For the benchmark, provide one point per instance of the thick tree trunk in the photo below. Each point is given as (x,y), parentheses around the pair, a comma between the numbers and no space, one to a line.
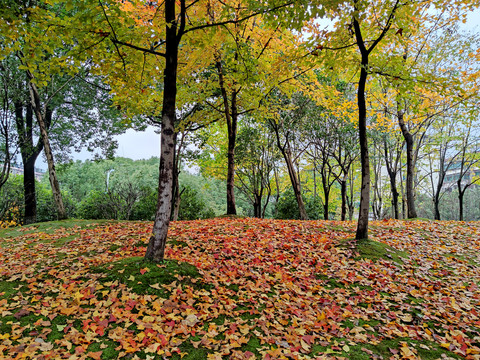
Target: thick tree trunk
(460,202)
(29,190)
(362,227)
(326,205)
(257,206)
(156,246)
(29,152)
(412,213)
(52,175)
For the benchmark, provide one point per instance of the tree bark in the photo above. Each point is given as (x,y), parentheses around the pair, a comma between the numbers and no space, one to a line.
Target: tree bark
(392,175)
(343,189)
(29,153)
(295,184)
(461,193)
(362,227)
(232,136)
(231,118)
(156,246)
(411,211)
(291,172)
(52,175)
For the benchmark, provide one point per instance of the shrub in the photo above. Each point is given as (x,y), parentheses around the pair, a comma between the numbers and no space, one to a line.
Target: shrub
(46,208)
(11,201)
(192,206)
(287,207)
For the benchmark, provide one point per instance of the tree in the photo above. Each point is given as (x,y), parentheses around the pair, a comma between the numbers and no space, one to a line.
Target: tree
(46,77)
(256,159)
(8,148)
(288,134)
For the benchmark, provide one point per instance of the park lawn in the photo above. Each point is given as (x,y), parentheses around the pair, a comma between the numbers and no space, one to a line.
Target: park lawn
(236,288)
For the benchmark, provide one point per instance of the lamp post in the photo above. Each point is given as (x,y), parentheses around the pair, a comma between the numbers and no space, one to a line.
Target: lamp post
(108,177)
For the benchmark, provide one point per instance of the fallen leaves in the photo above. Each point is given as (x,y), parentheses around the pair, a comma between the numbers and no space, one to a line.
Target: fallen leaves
(287,289)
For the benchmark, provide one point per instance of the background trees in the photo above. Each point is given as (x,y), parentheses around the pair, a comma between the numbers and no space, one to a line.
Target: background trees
(176,64)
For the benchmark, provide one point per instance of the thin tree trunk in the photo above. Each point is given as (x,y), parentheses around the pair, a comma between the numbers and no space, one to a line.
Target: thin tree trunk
(412,213)
(343,187)
(392,175)
(231,118)
(52,175)
(295,185)
(232,136)
(291,173)
(156,246)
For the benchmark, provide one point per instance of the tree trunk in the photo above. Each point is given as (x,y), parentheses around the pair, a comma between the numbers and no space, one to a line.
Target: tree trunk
(436,206)
(291,173)
(343,188)
(29,190)
(295,185)
(257,206)
(178,202)
(362,227)
(460,201)
(156,246)
(231,118)
(412,213)
(29,152)
(52,175)
(326,205)
(232,135)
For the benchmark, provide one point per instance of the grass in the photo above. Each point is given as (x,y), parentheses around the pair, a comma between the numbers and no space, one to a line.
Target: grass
(129,271)
(51,227)
(375,250)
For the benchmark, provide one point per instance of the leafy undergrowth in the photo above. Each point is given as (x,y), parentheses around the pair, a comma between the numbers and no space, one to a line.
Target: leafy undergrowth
(236,288)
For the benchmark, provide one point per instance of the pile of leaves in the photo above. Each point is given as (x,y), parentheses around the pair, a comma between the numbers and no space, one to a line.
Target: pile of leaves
(241,289)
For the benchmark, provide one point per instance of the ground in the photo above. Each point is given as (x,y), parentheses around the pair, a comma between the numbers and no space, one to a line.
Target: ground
(235,288)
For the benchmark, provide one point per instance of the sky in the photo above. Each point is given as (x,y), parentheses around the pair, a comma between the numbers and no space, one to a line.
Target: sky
(145,144)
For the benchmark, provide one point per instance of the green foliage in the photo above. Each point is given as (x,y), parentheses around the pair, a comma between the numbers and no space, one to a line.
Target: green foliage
(192,206)
(93,206)
(146,207)
(11,199)
(46,210)
(287,207)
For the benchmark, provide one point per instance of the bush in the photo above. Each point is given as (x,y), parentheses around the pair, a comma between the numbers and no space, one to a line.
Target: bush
(193,207)
(11,201)
(146,206)
(287,207)
(96,205)
(126,202)
(46,208)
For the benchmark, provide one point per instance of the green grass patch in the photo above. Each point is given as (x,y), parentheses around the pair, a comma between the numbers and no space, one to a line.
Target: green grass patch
(375,250)
(9,288)
(129,271)
(50,227)
(426,350)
